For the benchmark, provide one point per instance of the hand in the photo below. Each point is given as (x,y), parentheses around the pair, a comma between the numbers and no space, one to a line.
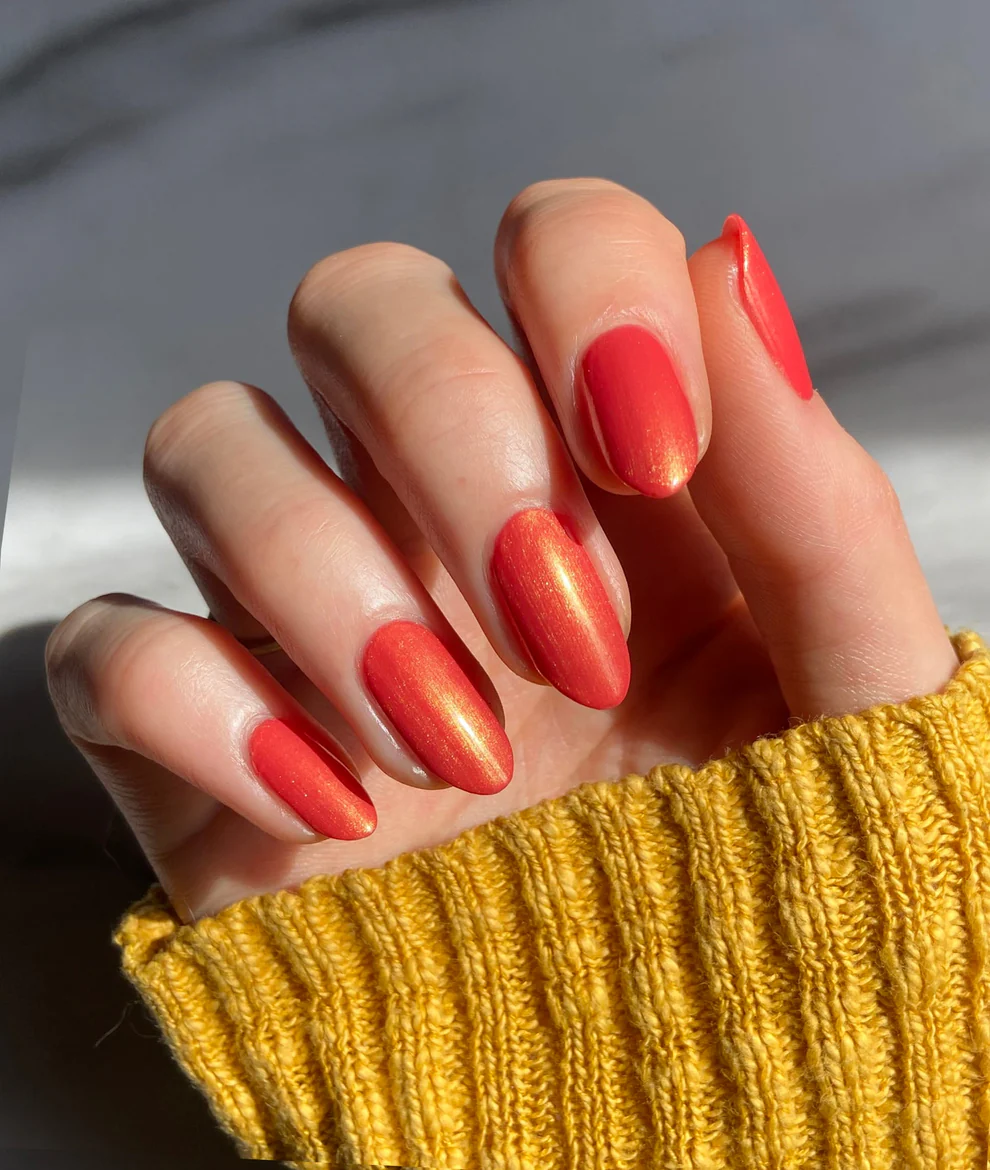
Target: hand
(462,559)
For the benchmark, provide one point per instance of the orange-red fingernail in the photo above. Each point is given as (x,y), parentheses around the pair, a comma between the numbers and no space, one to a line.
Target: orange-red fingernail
(640,410)
(289,758)
(766,308)
(560,608)
(436,709)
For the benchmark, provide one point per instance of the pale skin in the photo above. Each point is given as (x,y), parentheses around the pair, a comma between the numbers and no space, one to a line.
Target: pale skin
(780,584)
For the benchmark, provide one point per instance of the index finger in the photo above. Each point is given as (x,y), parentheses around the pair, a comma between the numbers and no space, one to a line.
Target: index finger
(598,281)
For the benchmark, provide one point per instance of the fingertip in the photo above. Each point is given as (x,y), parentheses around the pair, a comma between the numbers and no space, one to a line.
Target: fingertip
(363,824)
(610,688)
(733,227)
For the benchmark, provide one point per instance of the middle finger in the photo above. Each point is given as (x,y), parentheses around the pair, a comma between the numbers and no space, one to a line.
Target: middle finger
(451,418)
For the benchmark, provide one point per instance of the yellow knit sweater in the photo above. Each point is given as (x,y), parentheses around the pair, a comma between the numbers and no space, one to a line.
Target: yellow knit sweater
(781,959)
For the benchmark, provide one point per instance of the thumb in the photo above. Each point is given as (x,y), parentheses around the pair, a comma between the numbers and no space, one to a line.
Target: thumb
(810,523)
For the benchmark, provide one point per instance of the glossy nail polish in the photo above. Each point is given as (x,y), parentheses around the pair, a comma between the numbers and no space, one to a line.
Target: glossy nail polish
(560,609)
(433,705)
(289,758)
(766,308)
(639,410)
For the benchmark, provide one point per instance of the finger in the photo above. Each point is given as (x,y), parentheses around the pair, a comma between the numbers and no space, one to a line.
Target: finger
(130,677)
(452,420)
(809,522)
(358,471)
(598,281)
(245,498)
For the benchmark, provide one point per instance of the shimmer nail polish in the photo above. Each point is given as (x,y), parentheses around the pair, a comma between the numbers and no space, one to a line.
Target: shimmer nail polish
(640,411)
(289,758)
(559,607)
(436,709)
(766,308)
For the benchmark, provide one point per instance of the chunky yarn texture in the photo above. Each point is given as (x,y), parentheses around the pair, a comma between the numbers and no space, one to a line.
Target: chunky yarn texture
(780,959)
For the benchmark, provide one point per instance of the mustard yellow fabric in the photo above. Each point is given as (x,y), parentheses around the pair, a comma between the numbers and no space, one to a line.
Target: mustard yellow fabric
(780,959)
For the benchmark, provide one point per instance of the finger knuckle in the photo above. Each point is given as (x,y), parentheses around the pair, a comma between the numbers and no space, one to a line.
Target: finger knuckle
(102,668)
(866,499)
(879,495)
(528,213)
(550,193)
(133,674)
(341,274)
(875,502)
(855,507)
(571,206)
(437,390)
(287,527)
(189,421)
(64,659)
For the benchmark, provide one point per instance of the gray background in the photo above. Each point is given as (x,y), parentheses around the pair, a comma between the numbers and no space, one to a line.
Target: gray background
(169,170)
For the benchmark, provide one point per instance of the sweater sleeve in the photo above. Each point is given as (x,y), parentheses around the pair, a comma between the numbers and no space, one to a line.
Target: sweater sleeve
(779,959)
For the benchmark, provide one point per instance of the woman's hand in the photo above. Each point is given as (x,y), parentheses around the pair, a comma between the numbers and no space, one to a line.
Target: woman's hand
(463,567)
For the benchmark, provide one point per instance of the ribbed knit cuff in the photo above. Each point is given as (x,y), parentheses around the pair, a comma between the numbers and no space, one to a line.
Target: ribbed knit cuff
(780,959)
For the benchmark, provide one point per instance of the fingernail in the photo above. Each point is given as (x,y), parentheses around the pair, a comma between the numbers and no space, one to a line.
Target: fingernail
(640,411)
(296,766)
(766,308)
(560,609)
(436,709)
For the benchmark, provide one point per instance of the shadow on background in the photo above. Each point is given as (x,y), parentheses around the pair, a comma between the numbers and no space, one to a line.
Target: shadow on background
(81,1065)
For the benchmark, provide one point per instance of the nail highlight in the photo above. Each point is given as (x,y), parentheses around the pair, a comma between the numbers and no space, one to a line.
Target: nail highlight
(560,609)
(766,308)
(306,774)
(436,709)
(640,411)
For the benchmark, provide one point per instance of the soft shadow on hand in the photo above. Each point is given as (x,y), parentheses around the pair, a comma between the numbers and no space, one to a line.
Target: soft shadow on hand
(81,1065)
